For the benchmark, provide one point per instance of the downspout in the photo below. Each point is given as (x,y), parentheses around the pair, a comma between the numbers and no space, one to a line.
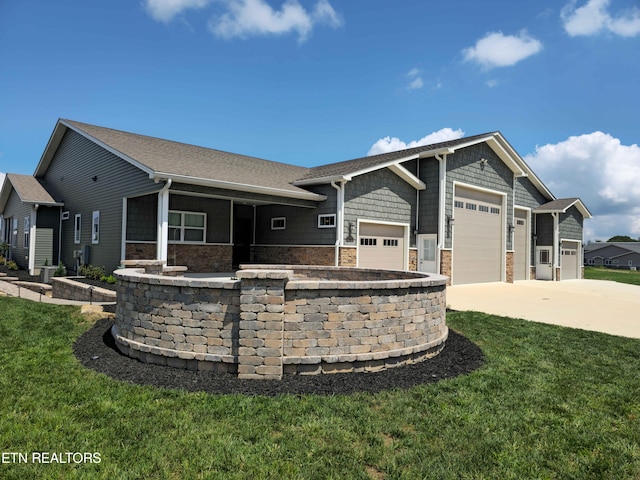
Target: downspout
(32,238)
(163,222)
(442,183)
(59,238)
(555,244)
(340,219)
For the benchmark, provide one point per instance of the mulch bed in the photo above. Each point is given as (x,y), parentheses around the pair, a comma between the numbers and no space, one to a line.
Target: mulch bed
(96,350)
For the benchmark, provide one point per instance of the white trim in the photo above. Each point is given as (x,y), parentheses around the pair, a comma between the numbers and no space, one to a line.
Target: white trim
(182,227)
(503,233)
(95,222)
(327,215)
(277,219)
(123,229)
(32,240)
(65,215)
(77,229)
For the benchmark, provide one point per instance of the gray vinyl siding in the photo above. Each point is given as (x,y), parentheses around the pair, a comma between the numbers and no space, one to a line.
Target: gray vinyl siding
(379,196)
(544,229)
(142,218)
(570,224)
(430,197)
(16,209)
(464,166)
(70,178)
(218,214)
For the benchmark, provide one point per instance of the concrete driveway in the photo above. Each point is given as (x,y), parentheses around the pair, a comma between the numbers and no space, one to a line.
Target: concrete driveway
(598,305)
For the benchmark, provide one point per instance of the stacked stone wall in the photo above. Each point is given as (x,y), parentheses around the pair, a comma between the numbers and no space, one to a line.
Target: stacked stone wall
(268,322)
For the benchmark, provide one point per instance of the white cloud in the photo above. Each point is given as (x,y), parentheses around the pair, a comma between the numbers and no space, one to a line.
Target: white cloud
(593,17)
(601,171)
(246,18)
(498,50)
(166,10)
(392,144)
(416,81)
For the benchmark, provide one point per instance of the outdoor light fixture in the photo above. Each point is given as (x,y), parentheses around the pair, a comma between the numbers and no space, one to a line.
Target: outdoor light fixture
(510,228)
(94,178)
(450,221)
(350,236)
(483,162)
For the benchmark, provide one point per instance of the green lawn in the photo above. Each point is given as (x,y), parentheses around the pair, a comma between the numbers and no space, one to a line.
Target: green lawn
(622,276)
(550,403)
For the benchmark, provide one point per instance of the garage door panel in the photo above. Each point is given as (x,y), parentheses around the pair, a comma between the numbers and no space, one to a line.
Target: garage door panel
(520,235)
(569,260)
(381,246)
(477,237)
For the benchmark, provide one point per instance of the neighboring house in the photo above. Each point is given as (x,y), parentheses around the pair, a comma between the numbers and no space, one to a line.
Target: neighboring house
(613,254)
(470,208)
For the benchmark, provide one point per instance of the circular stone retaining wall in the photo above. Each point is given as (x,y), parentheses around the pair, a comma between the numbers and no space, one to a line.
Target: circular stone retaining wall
(272,320)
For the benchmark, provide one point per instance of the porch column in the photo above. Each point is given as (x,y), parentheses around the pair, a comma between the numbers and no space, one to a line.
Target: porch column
(163,224)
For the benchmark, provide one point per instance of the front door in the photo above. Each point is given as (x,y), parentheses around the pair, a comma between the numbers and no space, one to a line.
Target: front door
(242,234)
(544,267)
(427,253)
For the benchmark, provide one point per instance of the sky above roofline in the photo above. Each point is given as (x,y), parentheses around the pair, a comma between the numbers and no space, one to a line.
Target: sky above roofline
(320,81)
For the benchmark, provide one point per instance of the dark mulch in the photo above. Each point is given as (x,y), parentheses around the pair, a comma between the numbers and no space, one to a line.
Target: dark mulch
(22,275)
(96,349)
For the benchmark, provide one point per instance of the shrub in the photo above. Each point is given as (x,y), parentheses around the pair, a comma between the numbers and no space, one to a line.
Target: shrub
(61,271)
(11,265)
(91,271)
(108,279)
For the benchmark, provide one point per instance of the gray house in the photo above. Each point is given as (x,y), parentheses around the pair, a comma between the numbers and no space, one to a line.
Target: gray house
(625,255)
(470,208)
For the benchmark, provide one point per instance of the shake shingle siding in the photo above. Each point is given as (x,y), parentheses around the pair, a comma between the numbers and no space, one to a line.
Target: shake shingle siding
(544,229)
(70,177)
(142,218)
(570,224)
(464,166)
(379,196)
(527,195)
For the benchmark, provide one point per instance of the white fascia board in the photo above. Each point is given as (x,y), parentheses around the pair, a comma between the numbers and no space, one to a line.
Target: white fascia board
(407,176)
(204,182)
(56,138)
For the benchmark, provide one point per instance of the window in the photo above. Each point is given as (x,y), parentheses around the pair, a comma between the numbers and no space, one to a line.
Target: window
(519,222)
(471,206)
(278,223)
(77,228)
(368,242)
(591,261)
(495,210)
(544,257)
(95,227)
(483,208)
(458,204)
(65,215)
(607,261)
(630,263)
(327,221)
(390,242)
(27,227)
(14,233)
(187,227)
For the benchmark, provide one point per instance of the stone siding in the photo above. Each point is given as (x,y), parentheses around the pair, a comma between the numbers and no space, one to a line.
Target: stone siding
(274,254)
(445,264)
(509,260)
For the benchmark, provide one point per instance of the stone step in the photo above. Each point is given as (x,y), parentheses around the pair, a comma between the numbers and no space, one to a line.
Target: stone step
(10,279)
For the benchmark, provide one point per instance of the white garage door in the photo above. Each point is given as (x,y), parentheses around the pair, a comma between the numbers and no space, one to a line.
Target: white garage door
(381,246)
(520,235)
(477,237)
(569,261)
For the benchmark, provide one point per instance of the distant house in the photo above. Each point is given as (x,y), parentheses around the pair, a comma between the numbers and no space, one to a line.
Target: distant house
(469,208)
(613,254)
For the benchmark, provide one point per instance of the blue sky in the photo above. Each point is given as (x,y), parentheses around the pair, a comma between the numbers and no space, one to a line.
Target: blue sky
(320,81)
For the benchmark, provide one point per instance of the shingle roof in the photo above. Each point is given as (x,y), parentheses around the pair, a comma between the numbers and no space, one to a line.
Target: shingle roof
(179,159)
(561,205)
(30,190)
(350,166)
(631,246)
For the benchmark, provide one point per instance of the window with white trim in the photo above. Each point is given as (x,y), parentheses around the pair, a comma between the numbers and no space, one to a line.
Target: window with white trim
(26,229)
(187,227)
(368,242)
(14,233)
(390,242)
(95,227)
(278,223)
(77,228)
(65,215)
(327,220)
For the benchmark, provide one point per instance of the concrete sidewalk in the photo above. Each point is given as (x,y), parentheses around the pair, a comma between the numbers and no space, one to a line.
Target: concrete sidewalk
(598,305)
(13,290)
